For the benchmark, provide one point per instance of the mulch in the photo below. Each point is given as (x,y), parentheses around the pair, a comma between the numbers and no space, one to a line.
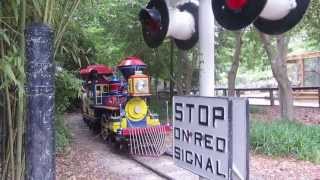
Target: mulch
(305,115)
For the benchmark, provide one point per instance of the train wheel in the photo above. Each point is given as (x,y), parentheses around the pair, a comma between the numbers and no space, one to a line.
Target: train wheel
(104,127)
(96,127)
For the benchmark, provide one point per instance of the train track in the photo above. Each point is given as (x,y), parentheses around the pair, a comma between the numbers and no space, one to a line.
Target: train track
(154,170)
(163,167)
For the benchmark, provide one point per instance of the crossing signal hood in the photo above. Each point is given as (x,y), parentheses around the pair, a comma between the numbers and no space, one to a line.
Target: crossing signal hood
(272,17)
(159,21)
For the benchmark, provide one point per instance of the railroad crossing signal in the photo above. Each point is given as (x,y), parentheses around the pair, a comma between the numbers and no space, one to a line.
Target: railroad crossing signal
(268,16)
(159,20)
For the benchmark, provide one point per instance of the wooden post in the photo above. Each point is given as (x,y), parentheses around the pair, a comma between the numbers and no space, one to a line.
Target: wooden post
(237,92)
(271,97)
(319,97)
(40,145)
(301,71)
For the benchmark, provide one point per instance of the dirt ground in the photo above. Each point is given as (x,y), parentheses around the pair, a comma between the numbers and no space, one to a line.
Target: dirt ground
(89,158)
(302,114)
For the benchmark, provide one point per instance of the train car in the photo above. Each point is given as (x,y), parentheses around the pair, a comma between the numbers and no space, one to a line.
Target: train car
(118,109)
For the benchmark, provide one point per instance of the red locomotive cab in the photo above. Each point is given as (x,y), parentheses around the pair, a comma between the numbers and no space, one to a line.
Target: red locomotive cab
(115,87)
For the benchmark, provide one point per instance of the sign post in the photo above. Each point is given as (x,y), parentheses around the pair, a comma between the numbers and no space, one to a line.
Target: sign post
(40,102)
(206,41)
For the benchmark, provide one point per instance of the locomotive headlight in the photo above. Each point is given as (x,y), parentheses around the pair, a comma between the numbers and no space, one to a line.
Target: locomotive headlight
(141,86)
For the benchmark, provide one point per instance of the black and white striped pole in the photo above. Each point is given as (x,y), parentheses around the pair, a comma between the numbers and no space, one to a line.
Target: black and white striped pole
(40,71)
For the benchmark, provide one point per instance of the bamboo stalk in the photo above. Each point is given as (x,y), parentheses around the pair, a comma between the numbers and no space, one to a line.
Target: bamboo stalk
(5,167)
(46,11)
(23,168)
(51,11)
(19,143)
(64,26)
(20,95)
(10,127)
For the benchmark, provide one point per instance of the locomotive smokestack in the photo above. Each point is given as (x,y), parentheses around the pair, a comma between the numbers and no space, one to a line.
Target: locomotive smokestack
(130,65)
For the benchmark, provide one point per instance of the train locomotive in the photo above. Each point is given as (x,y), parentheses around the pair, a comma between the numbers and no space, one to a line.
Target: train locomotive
(118,108)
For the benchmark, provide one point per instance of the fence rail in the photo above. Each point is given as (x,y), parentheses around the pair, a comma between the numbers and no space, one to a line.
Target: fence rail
(272,96)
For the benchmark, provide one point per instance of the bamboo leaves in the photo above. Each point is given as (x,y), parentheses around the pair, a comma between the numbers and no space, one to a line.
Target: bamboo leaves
(12,71)
(3,36)
(37,7)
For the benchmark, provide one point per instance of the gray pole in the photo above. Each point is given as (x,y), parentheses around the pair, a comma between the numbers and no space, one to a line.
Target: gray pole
(40,103)
(206,41)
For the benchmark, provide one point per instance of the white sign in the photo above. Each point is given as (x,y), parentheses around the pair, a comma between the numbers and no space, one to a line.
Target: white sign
(203,137)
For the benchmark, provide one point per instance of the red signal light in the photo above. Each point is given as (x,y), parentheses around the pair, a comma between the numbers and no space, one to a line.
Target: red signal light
(153,25)
(236,4)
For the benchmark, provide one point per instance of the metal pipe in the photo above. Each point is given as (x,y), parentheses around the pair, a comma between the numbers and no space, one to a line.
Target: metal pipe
(206,40)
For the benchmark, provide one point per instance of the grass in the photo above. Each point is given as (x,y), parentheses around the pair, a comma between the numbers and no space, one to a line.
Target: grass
(286,138)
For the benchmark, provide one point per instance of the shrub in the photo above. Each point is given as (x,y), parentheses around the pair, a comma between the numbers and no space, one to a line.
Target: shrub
(68,88)
(286,138)
(159,107)
(62,134)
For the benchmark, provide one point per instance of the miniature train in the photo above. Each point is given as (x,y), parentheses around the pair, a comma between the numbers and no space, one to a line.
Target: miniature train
(117,108)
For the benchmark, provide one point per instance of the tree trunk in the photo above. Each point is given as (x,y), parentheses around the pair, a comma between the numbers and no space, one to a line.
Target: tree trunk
(277,55)
(179,73)
(171,69)
(235,64)
(184,73)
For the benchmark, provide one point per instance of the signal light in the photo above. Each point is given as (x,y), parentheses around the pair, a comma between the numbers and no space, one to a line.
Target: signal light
(269,16)
(234,17)
(286,18)
(160,21)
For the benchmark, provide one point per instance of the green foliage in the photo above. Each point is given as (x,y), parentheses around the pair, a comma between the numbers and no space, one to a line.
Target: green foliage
(68,88)
(286,138)
(76,49)
(115,29)
(159,107)
(62,133)
(67,91)
(11,69)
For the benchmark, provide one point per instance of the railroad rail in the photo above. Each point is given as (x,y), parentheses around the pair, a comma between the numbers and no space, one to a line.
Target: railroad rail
(152,169)
(164,166)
